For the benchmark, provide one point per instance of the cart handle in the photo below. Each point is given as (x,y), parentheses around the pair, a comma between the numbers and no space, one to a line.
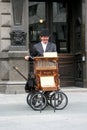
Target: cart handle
(17,69)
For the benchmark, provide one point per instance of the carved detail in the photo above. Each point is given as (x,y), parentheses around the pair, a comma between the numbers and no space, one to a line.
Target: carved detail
(18,37)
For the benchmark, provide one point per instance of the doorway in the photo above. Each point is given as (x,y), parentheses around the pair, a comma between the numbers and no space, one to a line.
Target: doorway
(59,17)
(52,15)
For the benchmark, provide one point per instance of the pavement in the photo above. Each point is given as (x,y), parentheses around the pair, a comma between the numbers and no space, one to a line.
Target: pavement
(16,114)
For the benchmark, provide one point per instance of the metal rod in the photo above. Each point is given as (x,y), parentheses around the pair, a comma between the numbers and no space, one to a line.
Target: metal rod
(16,68)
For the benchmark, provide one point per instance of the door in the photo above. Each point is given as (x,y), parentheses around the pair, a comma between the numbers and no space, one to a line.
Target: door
(78,44)
(61,18)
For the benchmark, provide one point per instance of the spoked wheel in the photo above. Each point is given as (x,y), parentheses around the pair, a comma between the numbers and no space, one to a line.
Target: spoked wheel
(38,101)
(59,100)
(29,98)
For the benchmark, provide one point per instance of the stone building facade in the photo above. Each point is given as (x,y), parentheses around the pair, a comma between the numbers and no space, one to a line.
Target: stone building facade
(12,51)
(11,55)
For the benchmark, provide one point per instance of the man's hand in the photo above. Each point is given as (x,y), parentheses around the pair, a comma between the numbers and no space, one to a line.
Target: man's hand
(26,57)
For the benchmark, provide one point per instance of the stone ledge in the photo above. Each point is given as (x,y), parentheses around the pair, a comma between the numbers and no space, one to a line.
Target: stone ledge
(12,82)
(17,53)
(17,48)
(12,87)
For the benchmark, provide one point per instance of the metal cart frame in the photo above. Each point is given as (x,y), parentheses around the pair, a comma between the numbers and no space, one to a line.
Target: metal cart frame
(47,88)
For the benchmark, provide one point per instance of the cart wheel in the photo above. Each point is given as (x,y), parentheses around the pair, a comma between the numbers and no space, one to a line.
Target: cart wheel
(29,98)
(59,100)
(38,101)
(48,95)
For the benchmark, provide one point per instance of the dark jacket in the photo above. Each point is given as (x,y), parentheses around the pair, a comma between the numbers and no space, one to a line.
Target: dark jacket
(37,49)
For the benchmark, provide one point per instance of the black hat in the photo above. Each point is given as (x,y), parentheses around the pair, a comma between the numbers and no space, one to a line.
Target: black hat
(44,32)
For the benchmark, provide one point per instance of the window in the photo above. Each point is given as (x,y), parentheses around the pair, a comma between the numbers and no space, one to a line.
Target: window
(32,10)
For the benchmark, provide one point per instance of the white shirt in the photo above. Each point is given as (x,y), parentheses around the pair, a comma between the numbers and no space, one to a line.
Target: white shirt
(44,45)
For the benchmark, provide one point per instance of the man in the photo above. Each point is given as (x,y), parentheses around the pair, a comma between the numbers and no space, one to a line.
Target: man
(38,49)
(43,46)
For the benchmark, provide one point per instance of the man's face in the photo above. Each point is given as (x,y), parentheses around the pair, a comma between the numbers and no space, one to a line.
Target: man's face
(44,39)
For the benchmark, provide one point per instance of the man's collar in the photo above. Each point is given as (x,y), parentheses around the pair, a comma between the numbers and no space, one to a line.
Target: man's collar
(43,43)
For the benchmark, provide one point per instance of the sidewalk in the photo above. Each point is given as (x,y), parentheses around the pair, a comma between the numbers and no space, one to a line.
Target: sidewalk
(15,113)
(74,89)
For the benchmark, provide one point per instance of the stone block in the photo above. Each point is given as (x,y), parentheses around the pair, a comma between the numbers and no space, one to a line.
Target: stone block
(4,70)
(5,44)
(5,7)
(5,32)
(2,88)
(6,20)
(4,56)
(15,87)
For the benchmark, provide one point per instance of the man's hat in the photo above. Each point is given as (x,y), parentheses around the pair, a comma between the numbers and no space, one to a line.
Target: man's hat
(44,32)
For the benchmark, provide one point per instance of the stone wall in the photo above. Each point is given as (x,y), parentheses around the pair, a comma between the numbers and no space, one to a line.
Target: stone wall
(10,80)
(85,62)
(5,25)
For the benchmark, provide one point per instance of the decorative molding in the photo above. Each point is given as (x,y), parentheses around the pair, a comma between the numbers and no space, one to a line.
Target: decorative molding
(17,6)
(18,37)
